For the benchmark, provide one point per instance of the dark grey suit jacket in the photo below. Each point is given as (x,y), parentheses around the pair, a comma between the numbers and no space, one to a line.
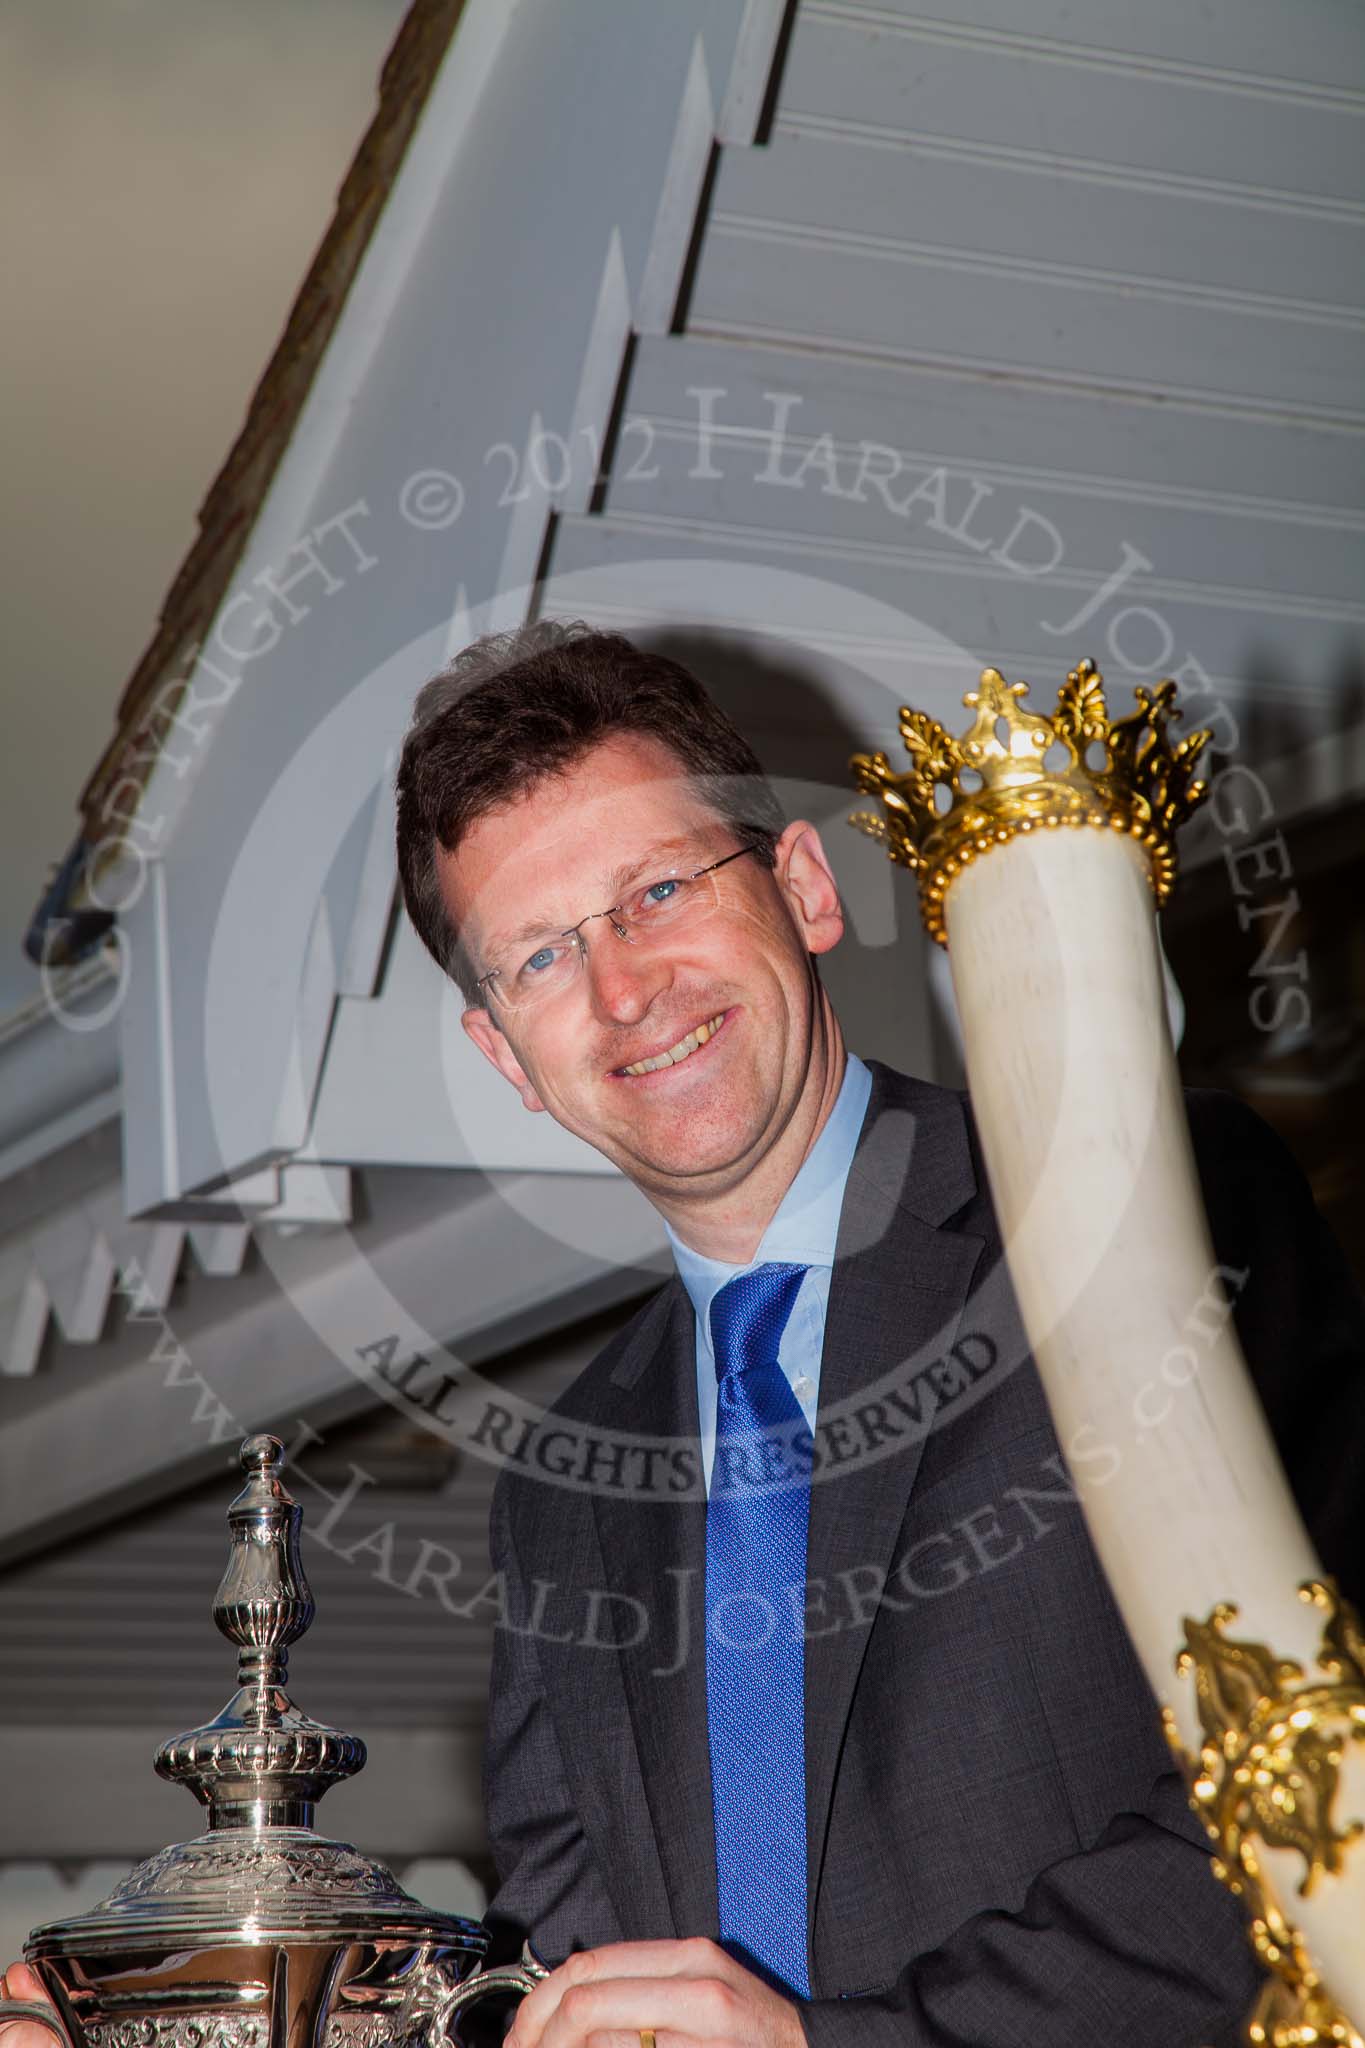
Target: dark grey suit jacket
(999,1849)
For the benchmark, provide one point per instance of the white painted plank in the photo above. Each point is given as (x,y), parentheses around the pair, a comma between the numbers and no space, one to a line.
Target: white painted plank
(364,951)
(751,72)
(219,1248)
(849,67)
(930,309)
(806,488)
(74,1262)
(155,1247)
(1088,444)
(310,1194)
(1152,241)
(1219,45)
(24,1310)
(825,599)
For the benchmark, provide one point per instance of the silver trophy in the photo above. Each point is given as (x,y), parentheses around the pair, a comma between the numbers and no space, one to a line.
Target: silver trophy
(261,1933)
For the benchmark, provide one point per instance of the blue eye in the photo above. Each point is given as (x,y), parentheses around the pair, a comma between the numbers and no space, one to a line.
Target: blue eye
(544,957)
(660,892)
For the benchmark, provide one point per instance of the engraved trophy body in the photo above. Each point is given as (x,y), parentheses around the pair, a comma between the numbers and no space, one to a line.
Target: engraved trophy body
(261,1933)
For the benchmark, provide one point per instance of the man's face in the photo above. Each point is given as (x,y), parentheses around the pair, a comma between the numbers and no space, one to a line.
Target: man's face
(572,846)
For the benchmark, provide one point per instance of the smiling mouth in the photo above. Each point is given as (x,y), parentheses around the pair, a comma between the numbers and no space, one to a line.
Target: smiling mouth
(676,1054)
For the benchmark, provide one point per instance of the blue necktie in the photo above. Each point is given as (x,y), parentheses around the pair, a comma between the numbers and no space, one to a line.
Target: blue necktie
(755,1653)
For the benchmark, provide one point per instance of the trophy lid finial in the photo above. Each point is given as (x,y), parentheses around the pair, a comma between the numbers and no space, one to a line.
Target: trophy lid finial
(262,1454)
(262,1762)
(303,1913)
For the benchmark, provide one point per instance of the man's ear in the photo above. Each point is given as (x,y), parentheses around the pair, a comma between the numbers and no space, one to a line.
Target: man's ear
(480,1027)
(807,881)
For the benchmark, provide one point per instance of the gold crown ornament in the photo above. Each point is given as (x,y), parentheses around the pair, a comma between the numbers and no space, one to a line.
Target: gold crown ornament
(1021,771)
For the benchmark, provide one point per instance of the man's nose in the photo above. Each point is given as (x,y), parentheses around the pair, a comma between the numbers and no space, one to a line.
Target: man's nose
(624,976)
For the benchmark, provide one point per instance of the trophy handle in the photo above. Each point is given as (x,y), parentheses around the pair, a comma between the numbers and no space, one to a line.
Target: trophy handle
(431,2000)
(29,2009)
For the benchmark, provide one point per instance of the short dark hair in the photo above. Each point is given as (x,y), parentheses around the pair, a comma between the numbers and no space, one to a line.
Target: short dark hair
(517,707)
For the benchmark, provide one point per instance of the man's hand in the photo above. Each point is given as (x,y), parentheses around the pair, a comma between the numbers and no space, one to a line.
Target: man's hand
(18,1981)
(683,1992)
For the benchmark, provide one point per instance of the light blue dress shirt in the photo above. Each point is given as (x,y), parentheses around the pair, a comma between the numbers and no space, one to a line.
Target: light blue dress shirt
(802,1232)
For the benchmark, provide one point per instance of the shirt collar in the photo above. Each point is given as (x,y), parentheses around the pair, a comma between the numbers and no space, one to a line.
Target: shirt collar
(806,1225)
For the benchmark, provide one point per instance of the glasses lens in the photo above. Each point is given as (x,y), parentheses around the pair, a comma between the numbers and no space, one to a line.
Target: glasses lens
(530,977)
(672,900)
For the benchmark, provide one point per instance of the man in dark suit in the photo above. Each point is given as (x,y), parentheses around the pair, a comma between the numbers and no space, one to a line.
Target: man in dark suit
(929,1802)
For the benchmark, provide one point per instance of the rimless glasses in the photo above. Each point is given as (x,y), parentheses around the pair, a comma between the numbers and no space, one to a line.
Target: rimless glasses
(649,911)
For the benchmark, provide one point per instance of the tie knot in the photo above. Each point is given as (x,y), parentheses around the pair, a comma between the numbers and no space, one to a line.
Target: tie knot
(749,1314)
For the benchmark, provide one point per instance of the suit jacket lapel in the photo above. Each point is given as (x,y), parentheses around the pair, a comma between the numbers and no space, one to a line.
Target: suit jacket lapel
(899,1286)
(654,1552)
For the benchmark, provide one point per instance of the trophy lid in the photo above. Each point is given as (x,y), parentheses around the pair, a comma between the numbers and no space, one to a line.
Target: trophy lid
(260,1872)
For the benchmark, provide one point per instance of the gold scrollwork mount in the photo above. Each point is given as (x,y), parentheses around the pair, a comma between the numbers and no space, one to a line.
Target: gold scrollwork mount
(1268,1770)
